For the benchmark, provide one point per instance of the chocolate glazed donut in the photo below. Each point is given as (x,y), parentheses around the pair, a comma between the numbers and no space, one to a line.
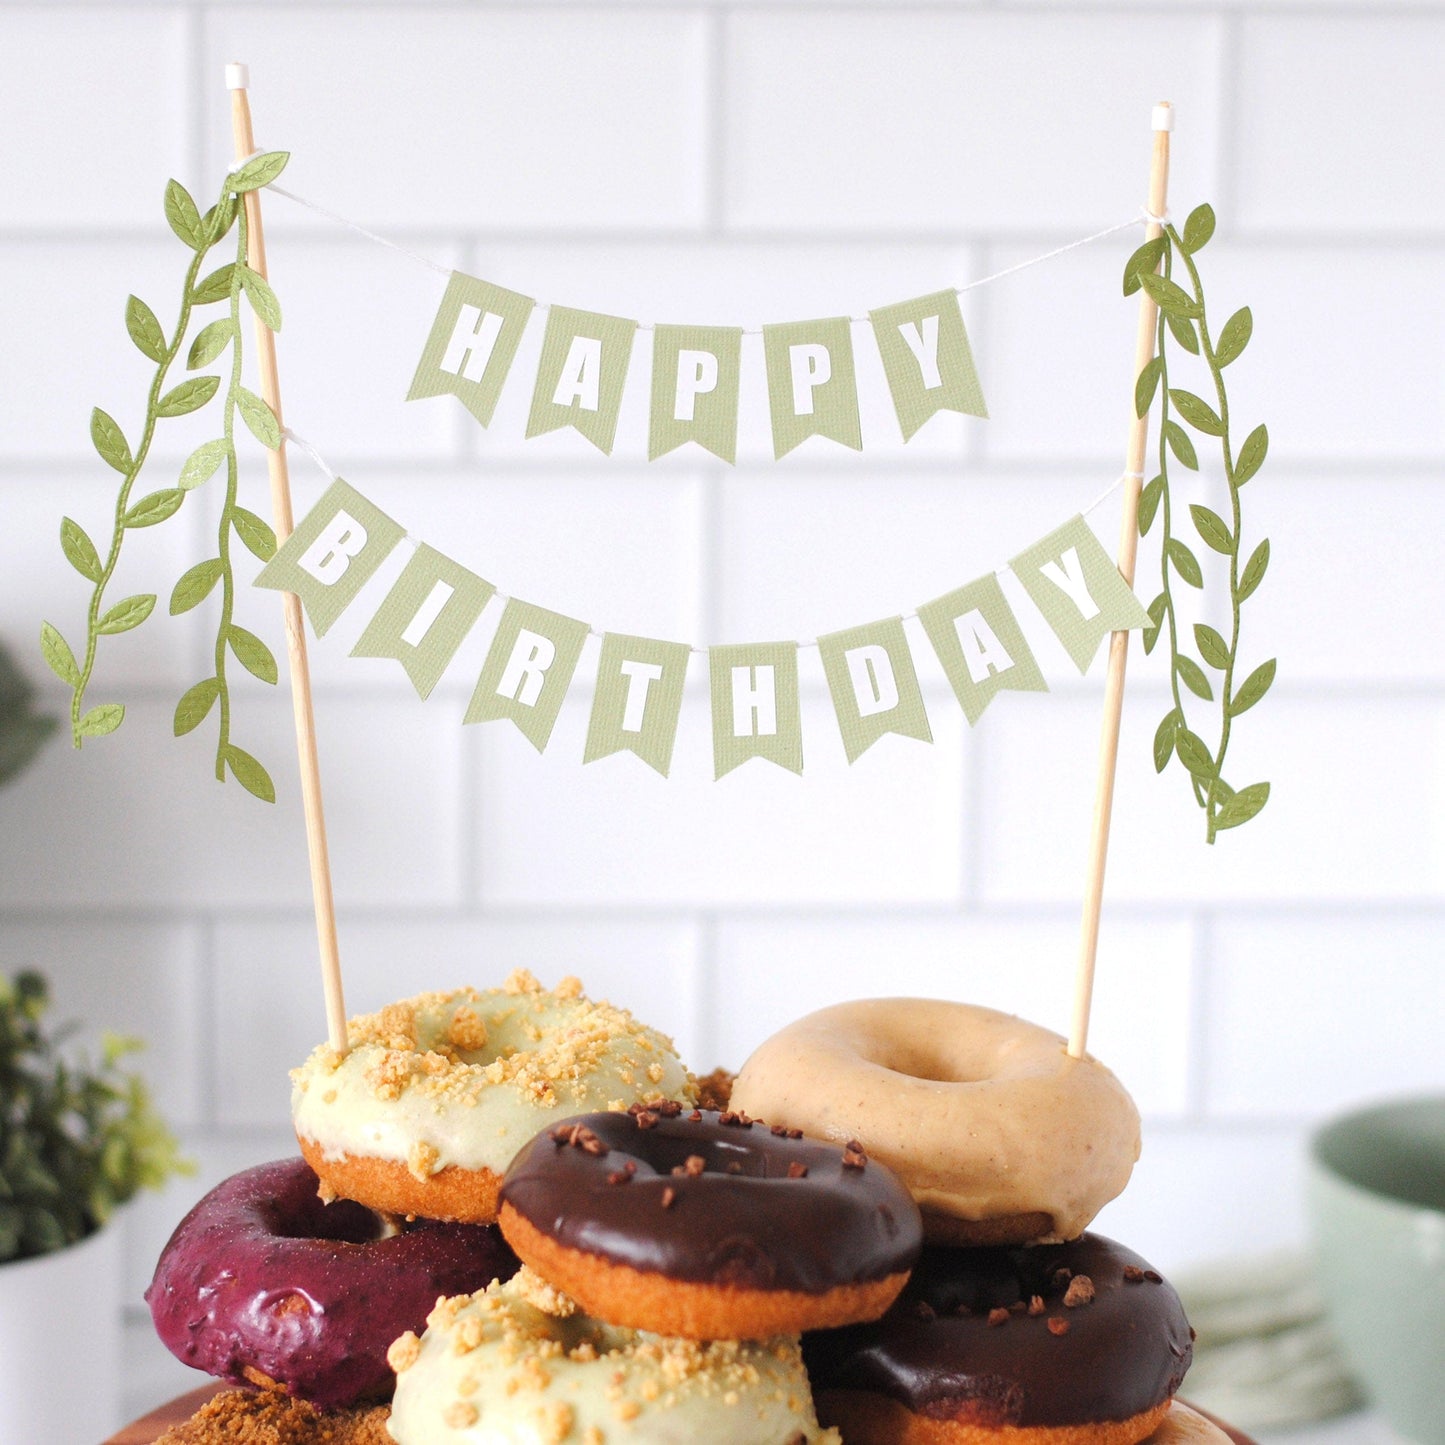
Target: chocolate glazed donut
(1046,1336)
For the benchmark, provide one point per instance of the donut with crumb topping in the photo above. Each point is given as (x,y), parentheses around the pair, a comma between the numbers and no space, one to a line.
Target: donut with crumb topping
(437,1093)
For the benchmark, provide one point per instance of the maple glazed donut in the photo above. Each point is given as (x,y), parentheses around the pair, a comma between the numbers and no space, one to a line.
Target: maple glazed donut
(437,1092)
(1067,1344)
(708,1226)
(1000,1135)
(263,1284)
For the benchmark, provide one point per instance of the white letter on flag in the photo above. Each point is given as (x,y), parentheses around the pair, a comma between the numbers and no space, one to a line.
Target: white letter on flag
(924,346)
(581,376)
(696,375)
(330,554)
(982,650)
(1070,576)
(812,366)
(640,677)
(754,700)
(526,669)
(874,686)
(473,339)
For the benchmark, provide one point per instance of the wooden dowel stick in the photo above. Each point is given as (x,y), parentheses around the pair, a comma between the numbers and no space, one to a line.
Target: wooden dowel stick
(237,80)
(1119,641)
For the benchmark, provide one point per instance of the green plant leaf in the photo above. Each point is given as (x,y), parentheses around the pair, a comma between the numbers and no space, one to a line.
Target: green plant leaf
(1254,570)
(1234,337)
(144,329)
(110,441)
(252,653)
(260,540)
(249,773)
(259,418)
(1212,527)
(56,651)
(215,287)
(80,550)
(1182,329)
(101,720)
(1164,740)
(258,171)
(155,507)
(189,396)
(1193,753)
(1180,445)
(1156,612)
(1251,455)
(181,212)
(1192,675)
(1146,384)
(1198,228)
(195,585)
(1254,687)
(1149,500)
(195,703)
(1212,646)
(1144,260)
(262,297)
(1240,807)
(1185,562)
(127,614)
(210,342)
(1173,299)
(1197,412)
(201,465)
(219,219)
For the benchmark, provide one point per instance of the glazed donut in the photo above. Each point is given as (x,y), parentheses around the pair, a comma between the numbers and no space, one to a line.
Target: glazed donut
(1068,1344)
(264,1284)
(436,1094)
(517,1364)
(1001,1136)
(708,1226)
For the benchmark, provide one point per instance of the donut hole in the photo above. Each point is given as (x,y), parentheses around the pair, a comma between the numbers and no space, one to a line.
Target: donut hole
(917,1059)
(667,1155)
(342,1221)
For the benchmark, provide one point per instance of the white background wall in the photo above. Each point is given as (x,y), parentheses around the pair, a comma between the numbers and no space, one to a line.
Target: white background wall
(742,163)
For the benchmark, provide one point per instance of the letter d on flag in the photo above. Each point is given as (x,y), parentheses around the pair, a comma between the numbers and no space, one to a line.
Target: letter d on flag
(874,685)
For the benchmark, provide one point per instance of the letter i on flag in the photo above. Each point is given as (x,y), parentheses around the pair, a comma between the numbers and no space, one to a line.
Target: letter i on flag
(581,375)
(638,699)
(927,359)
(695,373)
(812,390)
(525,676)
(874,686)
(755,708)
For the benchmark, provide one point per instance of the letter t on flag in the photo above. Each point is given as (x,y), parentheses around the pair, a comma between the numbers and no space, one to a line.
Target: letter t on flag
(638,699)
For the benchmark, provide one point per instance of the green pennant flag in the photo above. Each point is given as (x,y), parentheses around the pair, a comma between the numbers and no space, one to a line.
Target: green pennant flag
(332,554)
(638,699)
(472,344)
(528,668)
(1074,582)
(874,686)
(580,377)
(755,708)
(927,359)
(980,644)
(811,386)
(425,617)
(695,389)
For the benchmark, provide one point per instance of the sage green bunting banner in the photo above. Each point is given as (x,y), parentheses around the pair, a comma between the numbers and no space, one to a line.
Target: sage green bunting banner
(755,709)
(425,617)
(811,386)
(1074,582)
(695,373)
(638,699)
(927,359)
(332,554)
(472,344)
(874,686)
(981,645)
(581,375)
(526,674)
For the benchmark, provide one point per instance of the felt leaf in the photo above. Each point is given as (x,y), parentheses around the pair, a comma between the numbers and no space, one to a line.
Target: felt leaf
(249,773)
(1149,500)
(1193,753)
(195,585)
(1164,740)
(1255,686)
(259,418)
(215,287)
(260,540)
(80,550)
(1212,527)
(195,703)
(1212,646)
(1183,332)
(1146,384)
(219,219)
(1180,445)
(127,614)
(1234,337)
(189,396)
(262,297)
(1173,299)
(144,329)
(1198,228)
(210,342)
(252,653)
(101,720)
(110,441)
(1242,806)
(258,171)
(154,508)
(1251,455)
(1254,570)
(201,465)
(1192,676)
(1185,562)
(1152,633)
(57,653)
(1197,412)
(1145,259)
(181,212)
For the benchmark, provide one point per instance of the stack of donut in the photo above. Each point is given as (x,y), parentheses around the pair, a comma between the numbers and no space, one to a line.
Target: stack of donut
(897,1256)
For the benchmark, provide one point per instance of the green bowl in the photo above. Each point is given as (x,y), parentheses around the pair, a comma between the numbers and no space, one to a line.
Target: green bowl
(1377,1207)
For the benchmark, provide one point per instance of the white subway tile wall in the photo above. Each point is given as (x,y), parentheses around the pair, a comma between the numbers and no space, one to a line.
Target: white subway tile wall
(721,161)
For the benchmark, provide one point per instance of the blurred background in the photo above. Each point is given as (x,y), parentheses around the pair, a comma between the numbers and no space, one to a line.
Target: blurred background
(732,163)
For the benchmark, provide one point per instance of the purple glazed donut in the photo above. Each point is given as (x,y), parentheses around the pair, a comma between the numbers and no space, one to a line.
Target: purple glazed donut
(264,1284)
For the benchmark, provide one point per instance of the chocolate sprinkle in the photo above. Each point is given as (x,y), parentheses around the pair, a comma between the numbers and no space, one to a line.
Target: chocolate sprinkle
(998,1316)
(668,1195)
(1079,1292)
(797,1170)
(1057,1326)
